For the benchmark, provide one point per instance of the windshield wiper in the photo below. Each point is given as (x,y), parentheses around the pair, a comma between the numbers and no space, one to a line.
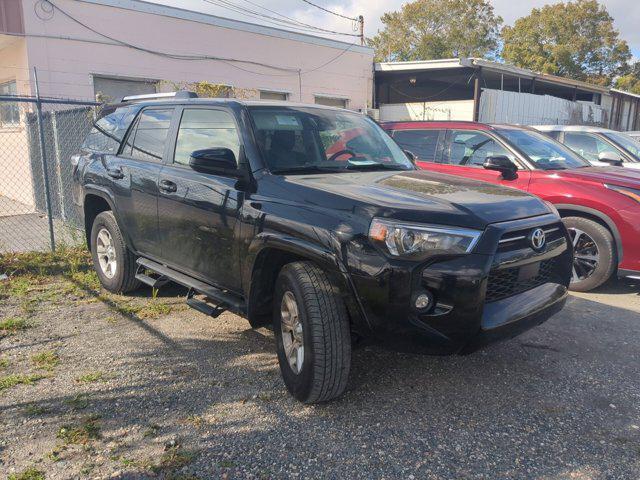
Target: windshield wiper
(373,166)
(305,169)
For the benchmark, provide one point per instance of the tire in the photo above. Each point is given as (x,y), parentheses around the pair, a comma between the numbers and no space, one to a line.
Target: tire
(325,336)
(122,278)
(593,237)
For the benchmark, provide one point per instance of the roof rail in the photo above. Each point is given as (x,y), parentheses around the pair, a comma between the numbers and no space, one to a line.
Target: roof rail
(182,94)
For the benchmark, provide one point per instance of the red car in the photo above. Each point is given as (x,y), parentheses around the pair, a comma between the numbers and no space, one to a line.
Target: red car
(599,205)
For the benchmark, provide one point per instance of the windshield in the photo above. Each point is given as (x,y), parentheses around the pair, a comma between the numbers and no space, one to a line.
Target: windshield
(629,144)
(542,151)
(308,139)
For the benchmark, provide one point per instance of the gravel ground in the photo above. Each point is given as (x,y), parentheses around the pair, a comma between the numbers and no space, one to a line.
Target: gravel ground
(135,387)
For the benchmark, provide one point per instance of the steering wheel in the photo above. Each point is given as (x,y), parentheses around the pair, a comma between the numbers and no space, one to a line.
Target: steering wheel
(340,153)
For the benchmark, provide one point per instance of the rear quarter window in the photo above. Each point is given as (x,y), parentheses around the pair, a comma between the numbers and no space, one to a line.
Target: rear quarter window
(109,131)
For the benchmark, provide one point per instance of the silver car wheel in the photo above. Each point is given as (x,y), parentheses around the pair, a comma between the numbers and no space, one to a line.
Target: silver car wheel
(585,255)
(106,253)
(292,332)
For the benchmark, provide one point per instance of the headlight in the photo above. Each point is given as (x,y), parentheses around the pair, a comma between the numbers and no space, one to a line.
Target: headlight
(416,240)
(629,192)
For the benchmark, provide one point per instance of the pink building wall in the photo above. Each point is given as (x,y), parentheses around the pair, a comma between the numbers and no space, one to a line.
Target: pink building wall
(66,67)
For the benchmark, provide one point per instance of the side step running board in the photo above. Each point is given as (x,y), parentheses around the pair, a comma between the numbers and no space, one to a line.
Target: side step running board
(221,299)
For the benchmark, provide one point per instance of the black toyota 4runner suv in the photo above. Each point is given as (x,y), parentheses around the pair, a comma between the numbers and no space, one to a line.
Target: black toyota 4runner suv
(313,220)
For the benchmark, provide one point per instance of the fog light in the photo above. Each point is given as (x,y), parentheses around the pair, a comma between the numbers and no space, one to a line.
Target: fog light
(423,301)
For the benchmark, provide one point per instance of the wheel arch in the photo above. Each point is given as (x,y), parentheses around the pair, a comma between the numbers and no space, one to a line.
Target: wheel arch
(569,210)
(95,202)
(270,255)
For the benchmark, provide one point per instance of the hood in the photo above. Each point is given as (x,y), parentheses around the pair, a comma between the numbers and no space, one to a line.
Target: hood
(623,176)
(424,197)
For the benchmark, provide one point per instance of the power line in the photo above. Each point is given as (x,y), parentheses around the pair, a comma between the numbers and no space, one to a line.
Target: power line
(288,22)
(355,19)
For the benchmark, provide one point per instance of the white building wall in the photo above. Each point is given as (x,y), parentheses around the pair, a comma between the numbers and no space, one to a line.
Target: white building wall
(448,110)
(67,66)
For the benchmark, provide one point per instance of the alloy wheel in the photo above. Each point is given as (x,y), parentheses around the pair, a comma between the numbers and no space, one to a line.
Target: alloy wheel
(292,332)
(585,255)
(106,253)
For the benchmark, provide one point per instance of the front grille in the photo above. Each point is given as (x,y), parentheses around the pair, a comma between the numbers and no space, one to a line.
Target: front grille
(507,282)
(518,239)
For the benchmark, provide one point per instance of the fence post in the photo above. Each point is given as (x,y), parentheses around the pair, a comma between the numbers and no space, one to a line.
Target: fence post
(43,157)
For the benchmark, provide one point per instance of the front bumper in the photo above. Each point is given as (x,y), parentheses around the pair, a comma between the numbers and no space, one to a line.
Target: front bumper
(479,298)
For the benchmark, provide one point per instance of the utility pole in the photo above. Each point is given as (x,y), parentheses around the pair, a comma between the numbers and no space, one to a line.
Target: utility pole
(361,23)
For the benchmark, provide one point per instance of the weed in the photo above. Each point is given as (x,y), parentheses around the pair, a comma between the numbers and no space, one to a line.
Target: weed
(78,402)
(28,474)
(4,363)
(55,455)
(45,263)
(226,464)
(173,458)
(80,434)
(85,280)
(12,325)
(154,309)
(35,410)
(152,431)
(91,377)
(13,380)
(196,420)
(47,360)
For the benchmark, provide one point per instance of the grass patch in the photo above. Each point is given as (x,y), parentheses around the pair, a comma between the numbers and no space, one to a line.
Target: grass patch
(91,377)
(28,474)
(47,360)
(35,410)
(13,325)
(152,430)
(78,402)
(4,363)
(88,429)
(63,260)
(174,458)
(13,380)
(144,311)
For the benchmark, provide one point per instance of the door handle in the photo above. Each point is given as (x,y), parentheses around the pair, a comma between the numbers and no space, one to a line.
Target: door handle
(116,173)
(168,186)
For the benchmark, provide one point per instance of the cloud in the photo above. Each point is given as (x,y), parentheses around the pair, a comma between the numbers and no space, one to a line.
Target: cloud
(626,13)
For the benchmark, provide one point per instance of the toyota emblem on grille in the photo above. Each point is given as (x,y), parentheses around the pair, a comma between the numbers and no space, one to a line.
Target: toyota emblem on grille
(537,239)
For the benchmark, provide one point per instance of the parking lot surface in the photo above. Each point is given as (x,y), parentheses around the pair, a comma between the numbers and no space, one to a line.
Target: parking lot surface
(145,388)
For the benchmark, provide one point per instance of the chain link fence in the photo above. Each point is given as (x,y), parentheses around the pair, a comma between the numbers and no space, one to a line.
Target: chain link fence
(37,139)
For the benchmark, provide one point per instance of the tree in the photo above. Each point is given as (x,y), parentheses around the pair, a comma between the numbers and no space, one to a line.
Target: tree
(431,29)
(574,39)
(629,81)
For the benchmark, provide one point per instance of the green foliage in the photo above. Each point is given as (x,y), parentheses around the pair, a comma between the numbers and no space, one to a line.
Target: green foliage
(12,325)
(13,380)
(63,260)
(91,377)
(81,434)
(47,360)
(28,474)
(431,29)
(574,39)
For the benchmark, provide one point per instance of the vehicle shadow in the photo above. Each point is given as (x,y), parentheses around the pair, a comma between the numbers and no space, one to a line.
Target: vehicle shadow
(559,401)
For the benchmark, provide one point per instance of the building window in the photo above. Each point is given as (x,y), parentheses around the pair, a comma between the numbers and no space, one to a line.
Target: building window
(9,112)
(331,101)
(111,90)
(270,95)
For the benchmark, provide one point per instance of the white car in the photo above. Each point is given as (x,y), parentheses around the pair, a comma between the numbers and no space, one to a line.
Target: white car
(635,135)
(600,146)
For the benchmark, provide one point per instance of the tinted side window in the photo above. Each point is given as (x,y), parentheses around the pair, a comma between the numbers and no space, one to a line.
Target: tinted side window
(201,128)
(148,141)
(422,143)
(107,133)
(472,148)
(586,145)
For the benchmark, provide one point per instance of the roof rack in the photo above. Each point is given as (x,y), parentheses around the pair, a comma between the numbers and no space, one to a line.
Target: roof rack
(182,94)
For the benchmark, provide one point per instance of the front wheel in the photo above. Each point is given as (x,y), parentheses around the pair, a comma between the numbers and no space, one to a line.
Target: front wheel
(594,255)
(312,332)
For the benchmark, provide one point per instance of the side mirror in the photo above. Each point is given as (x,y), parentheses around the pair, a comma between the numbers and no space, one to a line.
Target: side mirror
(410,156)
(213,160)
(503,165)
(613,158)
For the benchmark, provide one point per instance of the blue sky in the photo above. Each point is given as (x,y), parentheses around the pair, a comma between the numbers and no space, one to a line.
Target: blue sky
(626,13)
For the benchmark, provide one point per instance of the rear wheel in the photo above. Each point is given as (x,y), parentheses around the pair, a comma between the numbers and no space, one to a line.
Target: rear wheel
(114,263)
(312,333)
(594,256)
